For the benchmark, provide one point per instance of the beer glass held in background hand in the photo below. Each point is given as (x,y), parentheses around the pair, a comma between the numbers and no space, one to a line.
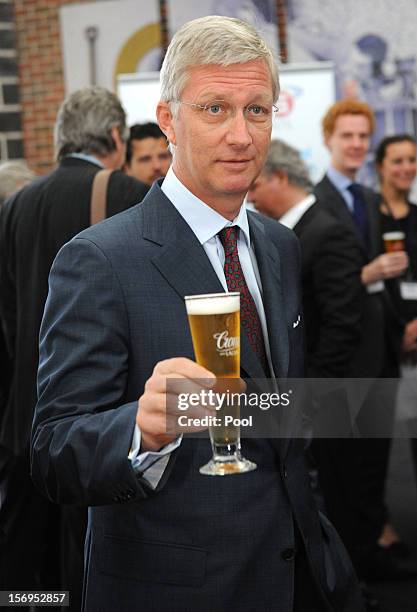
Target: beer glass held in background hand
(393,242)
(215,329)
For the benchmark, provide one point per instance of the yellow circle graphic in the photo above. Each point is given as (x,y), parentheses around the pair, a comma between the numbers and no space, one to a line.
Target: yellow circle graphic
(136,47)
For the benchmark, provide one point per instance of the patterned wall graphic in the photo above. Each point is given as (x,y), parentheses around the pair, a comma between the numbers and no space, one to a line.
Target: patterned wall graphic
(373,46)
(260,13)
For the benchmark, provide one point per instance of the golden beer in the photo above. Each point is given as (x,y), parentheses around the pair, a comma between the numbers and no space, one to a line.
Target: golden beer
(394,241)
(215,329)
(216,341)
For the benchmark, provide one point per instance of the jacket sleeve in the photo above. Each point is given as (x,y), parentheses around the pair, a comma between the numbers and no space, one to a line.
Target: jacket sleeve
(83,424)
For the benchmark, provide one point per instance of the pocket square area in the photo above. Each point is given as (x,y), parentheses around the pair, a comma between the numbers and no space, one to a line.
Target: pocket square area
(297,322)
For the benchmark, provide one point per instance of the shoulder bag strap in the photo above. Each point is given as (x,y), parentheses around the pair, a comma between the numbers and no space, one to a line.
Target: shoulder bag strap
(99,196)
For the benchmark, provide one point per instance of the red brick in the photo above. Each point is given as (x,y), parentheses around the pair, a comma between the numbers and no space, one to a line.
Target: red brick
(41,75)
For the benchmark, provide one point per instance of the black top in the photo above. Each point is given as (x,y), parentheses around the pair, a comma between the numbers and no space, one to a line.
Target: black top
(407,309)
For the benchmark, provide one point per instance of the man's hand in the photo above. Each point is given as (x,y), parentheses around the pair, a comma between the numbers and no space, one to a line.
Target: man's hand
(152,416)
(410,336)
(388,265)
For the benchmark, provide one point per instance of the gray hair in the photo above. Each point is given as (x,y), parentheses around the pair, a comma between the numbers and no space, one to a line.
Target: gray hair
(212,40)
(13,176)
(85,120)
(287,159)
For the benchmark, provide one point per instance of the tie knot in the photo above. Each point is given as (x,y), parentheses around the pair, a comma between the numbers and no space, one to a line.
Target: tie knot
(356,190)
(228,238)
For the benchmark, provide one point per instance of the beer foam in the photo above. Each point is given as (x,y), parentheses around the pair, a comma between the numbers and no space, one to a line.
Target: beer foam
(212,303)
(393,236)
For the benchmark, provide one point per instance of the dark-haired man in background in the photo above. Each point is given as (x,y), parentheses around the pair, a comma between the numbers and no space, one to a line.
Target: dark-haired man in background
(147,155)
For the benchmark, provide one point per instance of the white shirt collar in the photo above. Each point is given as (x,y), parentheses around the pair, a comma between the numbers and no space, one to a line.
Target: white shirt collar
(203,220)
(292,216)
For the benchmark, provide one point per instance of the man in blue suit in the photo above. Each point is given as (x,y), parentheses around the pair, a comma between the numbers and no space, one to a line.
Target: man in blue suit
(161,535)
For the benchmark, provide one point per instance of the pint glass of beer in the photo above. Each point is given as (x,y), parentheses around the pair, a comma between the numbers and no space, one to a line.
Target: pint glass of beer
(215,329)
(394,241)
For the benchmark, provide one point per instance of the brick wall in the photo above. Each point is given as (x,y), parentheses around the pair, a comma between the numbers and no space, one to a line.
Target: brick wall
(41,76)
(10,110)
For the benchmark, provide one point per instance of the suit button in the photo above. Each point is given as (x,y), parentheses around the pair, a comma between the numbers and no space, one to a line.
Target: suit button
(288,554)
(284,472)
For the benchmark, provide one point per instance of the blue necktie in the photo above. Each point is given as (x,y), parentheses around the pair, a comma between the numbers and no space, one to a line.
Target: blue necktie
(359,211)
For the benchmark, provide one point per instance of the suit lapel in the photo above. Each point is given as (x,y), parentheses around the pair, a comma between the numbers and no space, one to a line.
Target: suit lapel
(183,262)
(268,261)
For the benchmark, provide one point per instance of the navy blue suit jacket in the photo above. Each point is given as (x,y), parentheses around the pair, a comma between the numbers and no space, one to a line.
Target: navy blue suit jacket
(116,308)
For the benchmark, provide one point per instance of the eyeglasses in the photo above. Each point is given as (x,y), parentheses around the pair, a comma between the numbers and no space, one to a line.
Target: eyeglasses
(218,112)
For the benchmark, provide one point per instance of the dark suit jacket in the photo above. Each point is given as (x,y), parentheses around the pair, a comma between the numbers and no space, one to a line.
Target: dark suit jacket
(332,292)
(34,225)
(378,321)
(115,308)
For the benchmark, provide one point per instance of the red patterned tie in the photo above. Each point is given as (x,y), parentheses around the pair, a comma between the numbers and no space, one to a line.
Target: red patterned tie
(236,282)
